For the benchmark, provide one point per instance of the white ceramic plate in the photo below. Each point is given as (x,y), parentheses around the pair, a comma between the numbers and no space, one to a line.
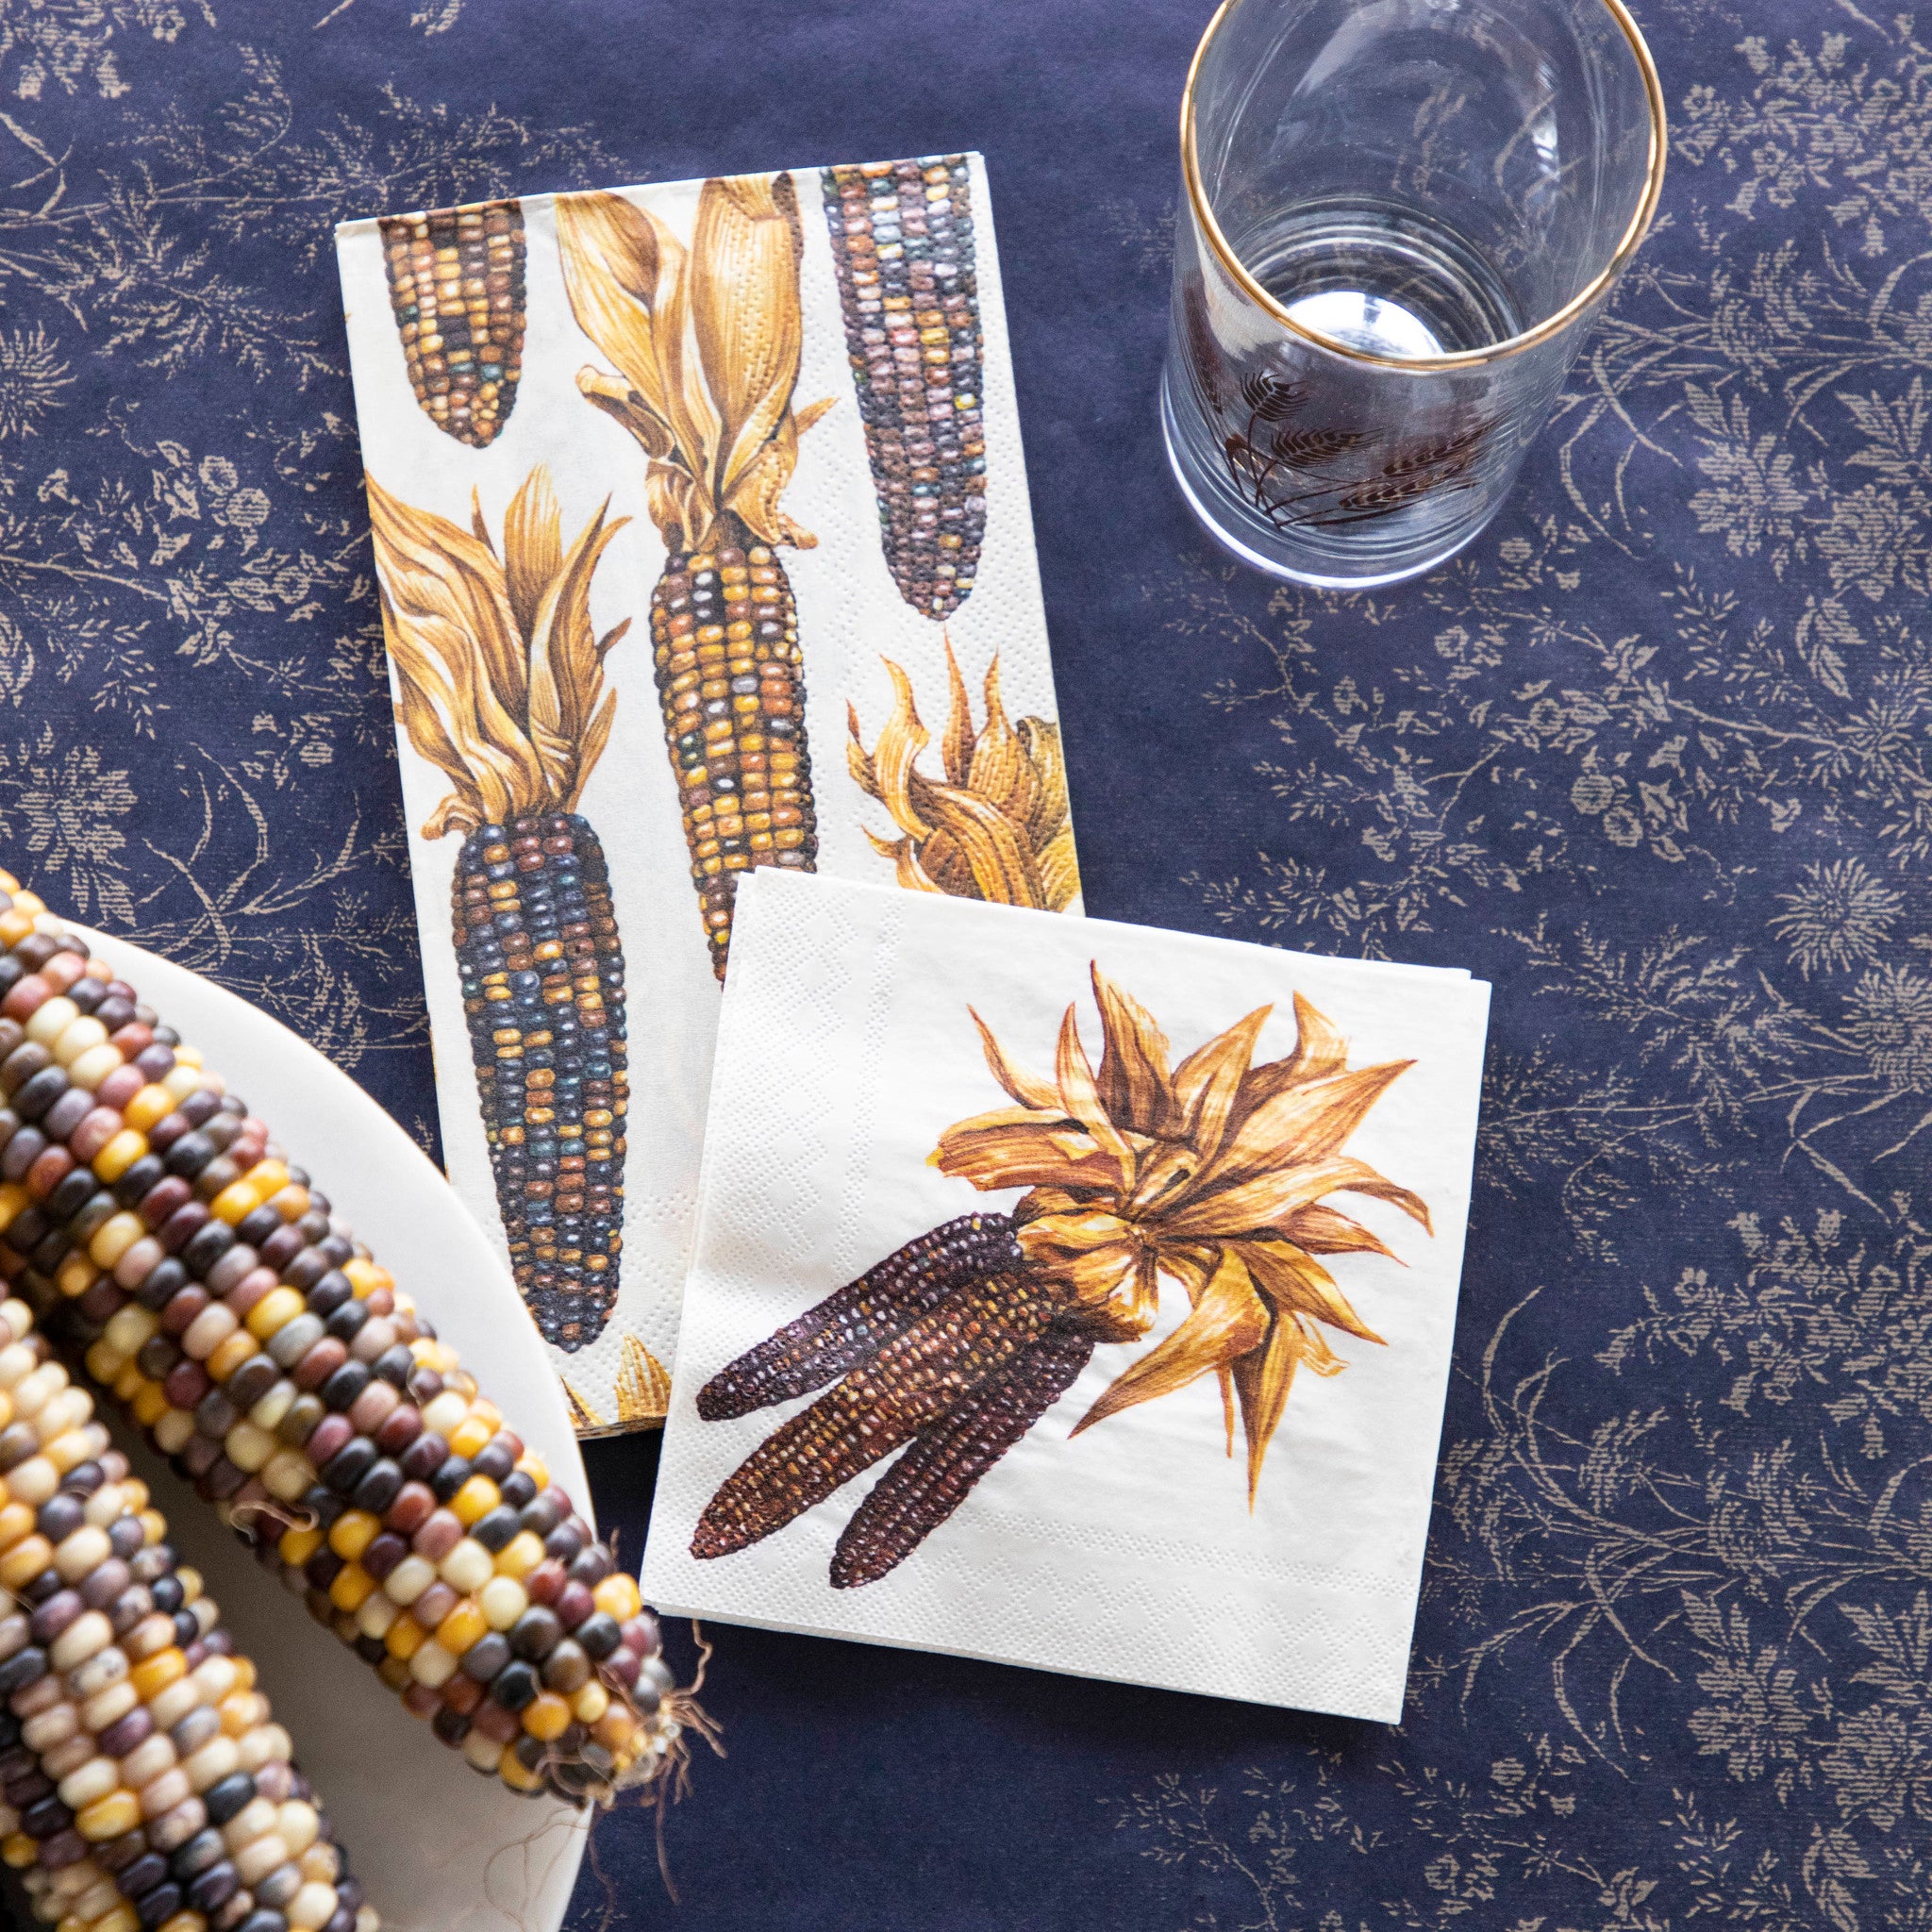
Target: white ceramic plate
(439,1848)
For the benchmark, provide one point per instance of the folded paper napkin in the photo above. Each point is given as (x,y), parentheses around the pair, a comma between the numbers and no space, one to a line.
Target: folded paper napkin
(1137,1251)
(703,542)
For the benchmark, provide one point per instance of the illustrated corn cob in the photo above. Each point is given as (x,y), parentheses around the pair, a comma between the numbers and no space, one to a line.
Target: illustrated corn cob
(913,1380)
(705,344)
(180,1262)
(455,287)
(500,681)
(902,248)
(845,1329)
(934,1475)
(1212,1174)
(144,1781)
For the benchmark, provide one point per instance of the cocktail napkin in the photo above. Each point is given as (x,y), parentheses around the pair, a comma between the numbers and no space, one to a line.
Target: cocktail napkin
(1137,1251)
(702,535)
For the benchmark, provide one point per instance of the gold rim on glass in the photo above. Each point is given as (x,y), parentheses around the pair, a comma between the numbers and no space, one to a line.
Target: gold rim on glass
(1552,324)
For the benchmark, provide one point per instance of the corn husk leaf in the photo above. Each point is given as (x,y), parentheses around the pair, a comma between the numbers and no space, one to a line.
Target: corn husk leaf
(1208,1081)
(957,747)
(1134,1083)
(1028,1092)
(1080,1095)
(1302,1122)
(1225,1323)
(705,344)
(1000,771)
(1296,1283)
(1319,1051)
(1018,1148)
(499,672)
(893,758)
(1059,871)
(628,282)
(995,828)
(1135,1172)
(1002,869)
(745,311)
(1041,741)
(1262,1379)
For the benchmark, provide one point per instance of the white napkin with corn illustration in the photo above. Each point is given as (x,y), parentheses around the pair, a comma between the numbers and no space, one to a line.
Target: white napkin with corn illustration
(702,535)
(1063,1286)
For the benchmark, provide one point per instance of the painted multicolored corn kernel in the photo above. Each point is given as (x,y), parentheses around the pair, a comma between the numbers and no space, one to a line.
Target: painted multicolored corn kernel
(837,1335)
(1211,1173)
(730,677)
(456,287)
(720,439)
(909,1383)
(936,1474)
(178,1260)
(902,247)
(500,676)
(543,986)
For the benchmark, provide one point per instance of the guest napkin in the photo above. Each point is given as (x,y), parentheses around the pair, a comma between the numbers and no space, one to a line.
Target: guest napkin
(867,1034)
(558,398)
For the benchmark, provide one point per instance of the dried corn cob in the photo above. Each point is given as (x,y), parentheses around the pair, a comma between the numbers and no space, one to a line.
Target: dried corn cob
(140,1770)
(542,985)
(837,1335)
(902,247)
(263,1351)
(935,1475)
(724,635)
(721,439)
(455,287)
(537,950)
(1129,1175)
(907,1385)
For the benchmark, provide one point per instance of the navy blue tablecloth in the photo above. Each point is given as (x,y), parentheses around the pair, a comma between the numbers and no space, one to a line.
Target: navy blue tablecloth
(1653,755)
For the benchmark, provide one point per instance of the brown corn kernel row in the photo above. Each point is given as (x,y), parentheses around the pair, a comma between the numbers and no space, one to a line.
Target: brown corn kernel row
(838,1334)
(936,1474)
(731,679)
(910,1384)
(455,287)
(902,249)
(542,968)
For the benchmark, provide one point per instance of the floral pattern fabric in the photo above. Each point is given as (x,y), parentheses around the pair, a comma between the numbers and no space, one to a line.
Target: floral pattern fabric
(1655,757)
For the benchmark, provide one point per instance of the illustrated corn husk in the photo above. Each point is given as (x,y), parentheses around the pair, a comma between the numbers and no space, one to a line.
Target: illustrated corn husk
(704,343)
(501,679)
(1212,1174)
(996,827)
(643,1390)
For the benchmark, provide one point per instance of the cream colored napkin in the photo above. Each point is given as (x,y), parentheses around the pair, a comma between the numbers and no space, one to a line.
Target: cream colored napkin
(1309,1204)
(803,380)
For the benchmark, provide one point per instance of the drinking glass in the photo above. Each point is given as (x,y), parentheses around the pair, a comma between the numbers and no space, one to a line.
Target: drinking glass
(1400,217)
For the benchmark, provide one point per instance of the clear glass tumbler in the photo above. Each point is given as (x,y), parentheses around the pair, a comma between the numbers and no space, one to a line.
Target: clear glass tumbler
(1400,217)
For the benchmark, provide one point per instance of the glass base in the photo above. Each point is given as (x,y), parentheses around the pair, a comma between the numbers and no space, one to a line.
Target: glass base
(1279,554)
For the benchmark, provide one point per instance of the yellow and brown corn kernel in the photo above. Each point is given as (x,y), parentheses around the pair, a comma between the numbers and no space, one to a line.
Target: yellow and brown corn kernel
(456,287)
(731,680)
(542,967)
